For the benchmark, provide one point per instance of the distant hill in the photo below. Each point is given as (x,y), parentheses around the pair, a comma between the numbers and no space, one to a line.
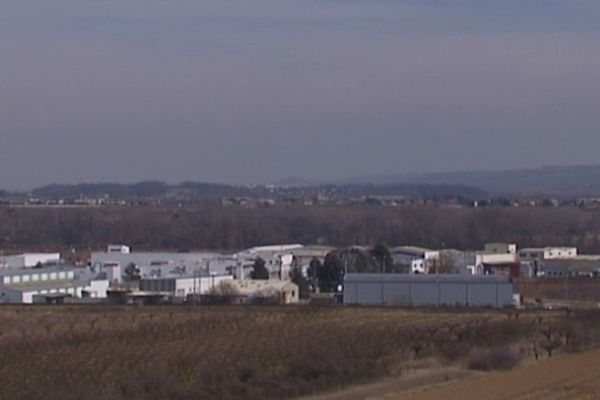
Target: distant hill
(552,180)
(406,189)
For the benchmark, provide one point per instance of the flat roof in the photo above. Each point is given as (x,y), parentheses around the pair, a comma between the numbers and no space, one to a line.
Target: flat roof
(201,275)
(426,278)
(412,250)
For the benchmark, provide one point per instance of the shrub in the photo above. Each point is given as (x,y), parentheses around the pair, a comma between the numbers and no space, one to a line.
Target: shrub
(500,358)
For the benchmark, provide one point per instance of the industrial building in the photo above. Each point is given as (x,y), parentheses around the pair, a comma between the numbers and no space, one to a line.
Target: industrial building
(278,261)
(182,286)
(428,290)
(29,260)
(419,259)
(284,292)
(158,264)
(22,285)
(581,265)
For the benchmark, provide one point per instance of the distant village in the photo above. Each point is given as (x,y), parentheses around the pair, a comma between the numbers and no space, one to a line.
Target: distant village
(291,274)
(257,196)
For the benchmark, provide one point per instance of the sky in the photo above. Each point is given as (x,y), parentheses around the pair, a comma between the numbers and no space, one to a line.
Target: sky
(256,91)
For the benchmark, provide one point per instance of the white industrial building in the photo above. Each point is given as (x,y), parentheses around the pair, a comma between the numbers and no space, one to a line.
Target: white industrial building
(302,257)
(419,259)
(23,284)
(159,264)
(278,259)
(182,286)
(537,257)
(496,256)
(29,260)
(547,253)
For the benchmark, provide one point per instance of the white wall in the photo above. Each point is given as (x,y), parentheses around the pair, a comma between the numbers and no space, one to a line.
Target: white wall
(560,252)
(97,288)
(185,286)
(29,260)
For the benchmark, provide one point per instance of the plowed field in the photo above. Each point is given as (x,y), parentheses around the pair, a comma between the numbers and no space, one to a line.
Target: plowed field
(567,377)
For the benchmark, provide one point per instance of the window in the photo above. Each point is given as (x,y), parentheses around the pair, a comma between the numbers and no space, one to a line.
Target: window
(44,277)
(35,277)
(70,275)
(16,279)
(25,278)
(6,280)
(62,275)
(53,276)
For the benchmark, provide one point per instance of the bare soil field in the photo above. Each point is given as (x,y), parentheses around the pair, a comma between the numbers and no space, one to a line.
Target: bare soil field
(565,377)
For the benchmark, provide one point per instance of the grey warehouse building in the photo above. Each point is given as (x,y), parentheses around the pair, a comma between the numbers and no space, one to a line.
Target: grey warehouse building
(428,290)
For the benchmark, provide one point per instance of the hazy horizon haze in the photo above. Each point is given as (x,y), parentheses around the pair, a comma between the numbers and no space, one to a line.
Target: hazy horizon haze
(252,92)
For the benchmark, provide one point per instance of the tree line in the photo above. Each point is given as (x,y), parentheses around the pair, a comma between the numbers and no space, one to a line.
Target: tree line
(221,228)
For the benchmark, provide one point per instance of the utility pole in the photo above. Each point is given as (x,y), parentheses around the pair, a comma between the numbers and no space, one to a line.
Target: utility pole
(567,285)
(194,291)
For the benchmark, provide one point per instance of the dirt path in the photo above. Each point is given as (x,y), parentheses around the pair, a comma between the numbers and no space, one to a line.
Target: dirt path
(412,380)
(567,377)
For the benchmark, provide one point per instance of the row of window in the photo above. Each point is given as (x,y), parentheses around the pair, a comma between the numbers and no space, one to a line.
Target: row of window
(550,254)
(37,277)
(72,291)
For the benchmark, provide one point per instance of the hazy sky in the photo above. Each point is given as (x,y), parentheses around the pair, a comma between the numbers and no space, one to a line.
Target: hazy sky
(256,90)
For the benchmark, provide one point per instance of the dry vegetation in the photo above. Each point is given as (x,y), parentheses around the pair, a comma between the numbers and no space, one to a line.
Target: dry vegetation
(208,352)
(579,288)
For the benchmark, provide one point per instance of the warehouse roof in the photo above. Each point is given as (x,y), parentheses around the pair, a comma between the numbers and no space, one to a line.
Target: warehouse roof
(426,278)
